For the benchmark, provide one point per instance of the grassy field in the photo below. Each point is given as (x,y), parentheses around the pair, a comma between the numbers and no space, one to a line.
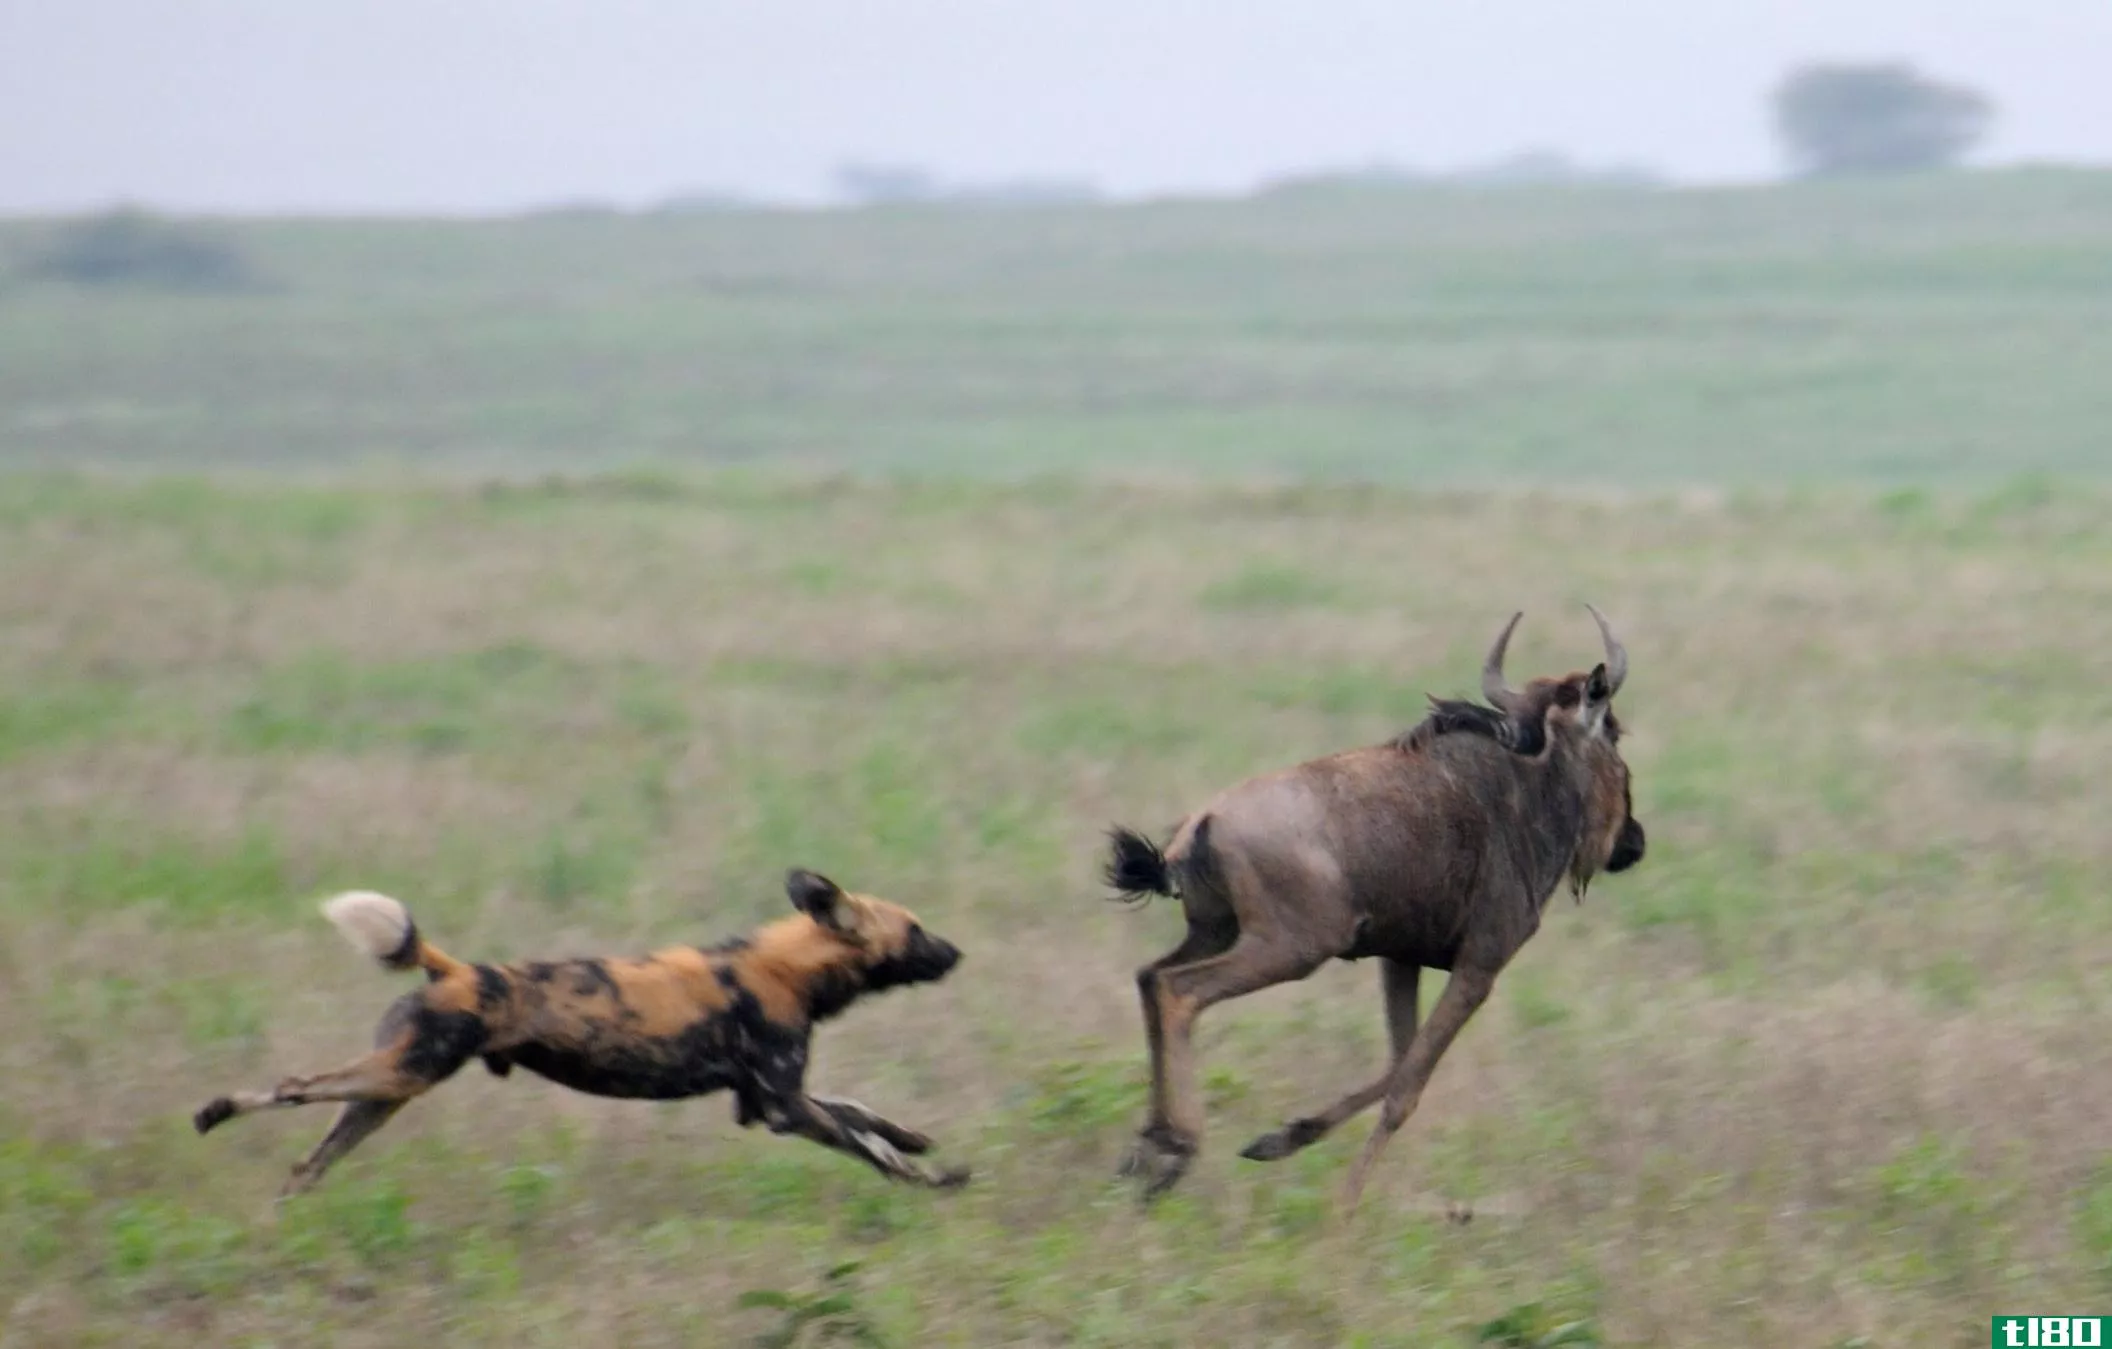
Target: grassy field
(1947,330)
(1835,1062)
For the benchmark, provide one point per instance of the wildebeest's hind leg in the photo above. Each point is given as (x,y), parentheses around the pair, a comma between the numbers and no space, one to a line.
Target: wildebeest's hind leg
(1465,991)
(1200,941)
(1400,982)
(1170,1140)
(354,1123)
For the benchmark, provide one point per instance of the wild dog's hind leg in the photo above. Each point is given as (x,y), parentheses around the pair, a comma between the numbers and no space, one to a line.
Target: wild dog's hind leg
(416,1048)
(354,1123)
(378,1076)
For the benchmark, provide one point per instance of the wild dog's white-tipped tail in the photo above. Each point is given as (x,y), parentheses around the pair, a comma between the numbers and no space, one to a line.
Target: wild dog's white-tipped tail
(376,925)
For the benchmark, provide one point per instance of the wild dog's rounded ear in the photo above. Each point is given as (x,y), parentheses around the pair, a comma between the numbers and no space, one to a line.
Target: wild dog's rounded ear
(815,895)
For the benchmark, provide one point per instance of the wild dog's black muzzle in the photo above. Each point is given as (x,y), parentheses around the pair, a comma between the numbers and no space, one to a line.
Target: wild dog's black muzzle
(922,960)
(1628,848)
(931,957)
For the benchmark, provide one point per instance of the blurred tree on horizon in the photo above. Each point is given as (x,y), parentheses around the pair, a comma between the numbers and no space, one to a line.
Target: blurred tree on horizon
(132,247)
(1842,119)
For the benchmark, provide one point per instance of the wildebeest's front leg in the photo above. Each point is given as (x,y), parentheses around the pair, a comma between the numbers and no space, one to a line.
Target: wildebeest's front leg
(1401,982)
(1464,992)
(850,1128)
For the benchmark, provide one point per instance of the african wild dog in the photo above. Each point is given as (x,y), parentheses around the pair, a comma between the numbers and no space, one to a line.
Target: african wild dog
(1439,848)
(681,1022)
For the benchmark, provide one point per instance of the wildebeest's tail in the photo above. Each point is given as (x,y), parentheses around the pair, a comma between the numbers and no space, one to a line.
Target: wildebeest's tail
(1135,866)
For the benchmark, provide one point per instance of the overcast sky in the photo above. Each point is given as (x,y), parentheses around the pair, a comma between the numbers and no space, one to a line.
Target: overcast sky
(475,105)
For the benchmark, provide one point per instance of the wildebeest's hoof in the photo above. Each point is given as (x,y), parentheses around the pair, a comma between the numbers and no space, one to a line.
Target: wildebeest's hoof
(1134,1162)
(1159,1159)
(217,1111)
(952,1178)
(1171,1166)
(1292,1137)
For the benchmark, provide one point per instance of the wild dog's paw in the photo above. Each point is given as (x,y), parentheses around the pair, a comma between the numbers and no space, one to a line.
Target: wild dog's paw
(908,1140)
(217,1111)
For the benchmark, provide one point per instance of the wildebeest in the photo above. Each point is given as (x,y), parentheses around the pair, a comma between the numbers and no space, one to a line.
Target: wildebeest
(1438,849)
(681,1022)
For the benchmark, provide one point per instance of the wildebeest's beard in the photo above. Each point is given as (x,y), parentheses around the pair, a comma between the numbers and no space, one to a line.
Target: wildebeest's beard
(923,959)
(1628,848)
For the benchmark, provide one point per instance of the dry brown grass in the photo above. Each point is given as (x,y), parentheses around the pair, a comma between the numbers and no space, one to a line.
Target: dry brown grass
(1833,1062)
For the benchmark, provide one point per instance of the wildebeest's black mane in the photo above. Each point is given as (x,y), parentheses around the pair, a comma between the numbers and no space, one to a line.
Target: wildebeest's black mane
(1450,716)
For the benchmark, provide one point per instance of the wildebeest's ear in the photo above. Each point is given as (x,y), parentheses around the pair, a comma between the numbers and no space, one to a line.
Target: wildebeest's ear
(1596,687)
(816,896)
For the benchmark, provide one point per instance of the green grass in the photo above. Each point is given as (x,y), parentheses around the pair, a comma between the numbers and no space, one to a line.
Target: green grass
(1913,332)
(1829,1068)
(1831,1063)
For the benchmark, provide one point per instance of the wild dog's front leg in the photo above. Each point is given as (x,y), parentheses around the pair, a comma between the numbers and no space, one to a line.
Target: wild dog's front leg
(853,1129)
(852,1115)
(777,1092)
(747,1104)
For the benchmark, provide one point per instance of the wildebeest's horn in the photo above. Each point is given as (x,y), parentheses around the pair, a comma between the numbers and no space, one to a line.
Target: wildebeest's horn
(1492,686)
(1616,654)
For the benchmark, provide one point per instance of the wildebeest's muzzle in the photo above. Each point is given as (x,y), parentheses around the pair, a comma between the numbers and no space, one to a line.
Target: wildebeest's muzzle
(1628,848)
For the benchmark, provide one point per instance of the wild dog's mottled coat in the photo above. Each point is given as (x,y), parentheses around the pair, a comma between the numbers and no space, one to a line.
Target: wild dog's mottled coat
(683,1021)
